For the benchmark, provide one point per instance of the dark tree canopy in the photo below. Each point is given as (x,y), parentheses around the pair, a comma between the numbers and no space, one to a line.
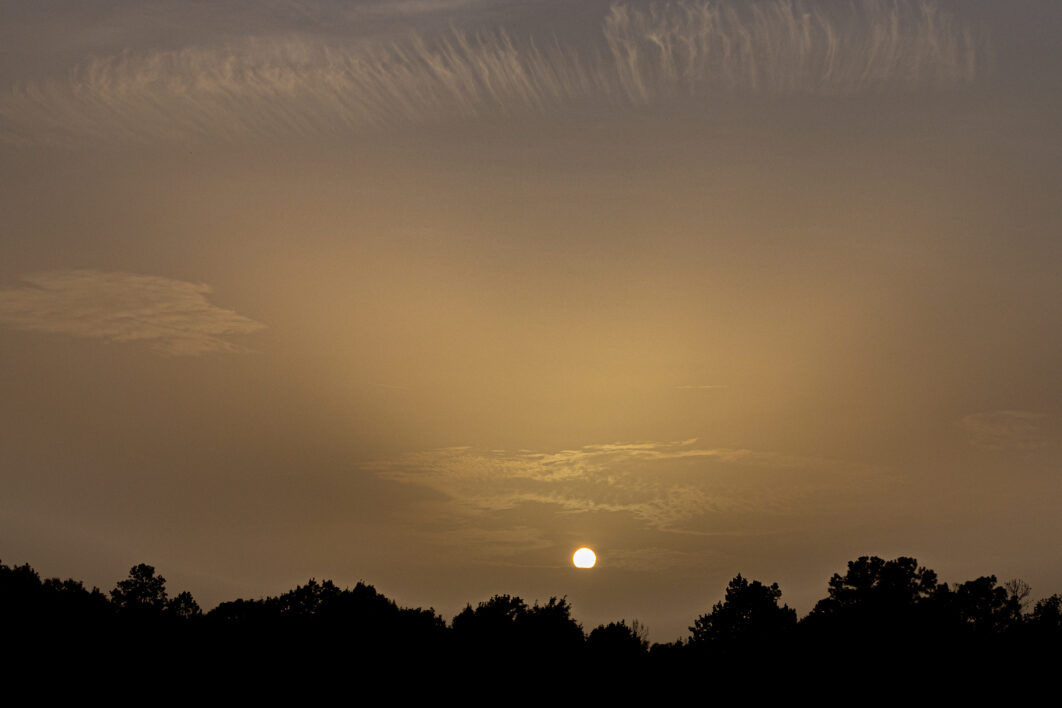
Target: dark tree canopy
(183,606)
(985,607)
(508,624)
(875,600)
(492,618)
(896,583)
(1047,615)
(618,642)
(890,617)
(142,591)
(748,616)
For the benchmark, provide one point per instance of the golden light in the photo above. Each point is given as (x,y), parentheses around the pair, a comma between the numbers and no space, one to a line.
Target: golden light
(584,558)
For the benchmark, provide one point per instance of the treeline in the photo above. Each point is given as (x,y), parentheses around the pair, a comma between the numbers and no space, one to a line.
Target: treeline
(879,614)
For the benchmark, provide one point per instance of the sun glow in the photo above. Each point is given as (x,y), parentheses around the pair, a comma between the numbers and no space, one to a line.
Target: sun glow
(584,558)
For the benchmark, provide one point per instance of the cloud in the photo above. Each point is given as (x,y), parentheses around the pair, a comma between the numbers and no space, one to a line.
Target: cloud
(412,7)
(787,47)
(1006,430)
(664,485)
(257,88)
(173,316)
(268,88)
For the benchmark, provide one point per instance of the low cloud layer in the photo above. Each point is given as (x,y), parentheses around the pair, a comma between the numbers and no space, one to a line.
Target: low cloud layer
(663,485)
(644,54)
(172,316)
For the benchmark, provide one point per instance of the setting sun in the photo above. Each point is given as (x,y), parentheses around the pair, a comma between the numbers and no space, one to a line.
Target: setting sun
(584,558)
(420,292)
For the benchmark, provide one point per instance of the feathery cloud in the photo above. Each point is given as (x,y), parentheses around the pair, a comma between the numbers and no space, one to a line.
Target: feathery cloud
(259,88)
(787,46)
(173,316)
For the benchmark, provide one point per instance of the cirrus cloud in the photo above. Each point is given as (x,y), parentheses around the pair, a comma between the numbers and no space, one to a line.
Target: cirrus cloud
(262,87)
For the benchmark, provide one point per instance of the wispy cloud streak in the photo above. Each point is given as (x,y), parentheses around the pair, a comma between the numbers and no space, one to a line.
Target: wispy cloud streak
(662,484)
(173,316)
(787,47)
(264,88)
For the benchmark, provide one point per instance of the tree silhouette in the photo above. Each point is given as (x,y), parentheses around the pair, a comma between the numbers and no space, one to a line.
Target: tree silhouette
(618,642)
(874,593)
(886,617)
(1019,590)
(505,624)
(550,628)
(749,616)
(183,606)
(878,611)
(871,581)
(984,607)
(1047,615)
(491,622)
(142,592)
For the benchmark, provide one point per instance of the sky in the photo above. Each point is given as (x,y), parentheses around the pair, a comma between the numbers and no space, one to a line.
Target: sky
(430,293)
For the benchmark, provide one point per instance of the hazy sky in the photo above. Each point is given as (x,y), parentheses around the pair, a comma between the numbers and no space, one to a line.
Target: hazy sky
(428,293)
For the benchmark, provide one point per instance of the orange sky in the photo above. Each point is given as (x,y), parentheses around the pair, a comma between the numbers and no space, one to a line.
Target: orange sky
(429,294)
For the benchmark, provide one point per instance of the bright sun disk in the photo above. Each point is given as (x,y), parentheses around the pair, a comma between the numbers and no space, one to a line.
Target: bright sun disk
(584,558)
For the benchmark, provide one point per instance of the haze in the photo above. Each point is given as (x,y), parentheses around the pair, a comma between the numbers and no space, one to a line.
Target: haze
(430,294)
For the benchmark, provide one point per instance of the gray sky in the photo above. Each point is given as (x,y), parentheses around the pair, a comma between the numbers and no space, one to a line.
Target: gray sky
(428,294)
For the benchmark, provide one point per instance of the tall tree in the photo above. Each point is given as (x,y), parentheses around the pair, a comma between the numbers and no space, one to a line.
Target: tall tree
(748,616)
(143,592)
